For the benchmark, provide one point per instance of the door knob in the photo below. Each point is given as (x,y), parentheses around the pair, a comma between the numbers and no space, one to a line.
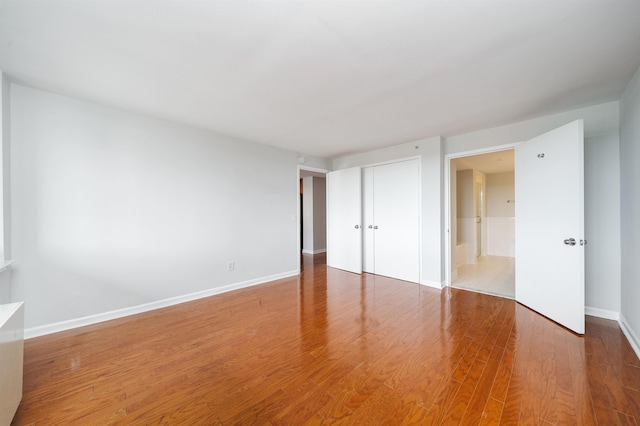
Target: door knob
(370,226)
(357,226)
(570,241)
(375,227)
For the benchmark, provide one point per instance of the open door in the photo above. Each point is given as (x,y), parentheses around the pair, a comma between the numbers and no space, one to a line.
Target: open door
(549,192)
(344,216)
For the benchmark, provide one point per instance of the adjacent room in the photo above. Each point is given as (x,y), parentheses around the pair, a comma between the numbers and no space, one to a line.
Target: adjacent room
(319,212)
(483,205)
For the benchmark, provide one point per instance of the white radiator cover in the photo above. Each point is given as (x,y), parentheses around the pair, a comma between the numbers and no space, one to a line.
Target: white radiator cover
(11,359)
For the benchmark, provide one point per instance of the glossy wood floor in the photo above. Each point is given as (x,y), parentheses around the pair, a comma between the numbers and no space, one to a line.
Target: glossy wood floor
(333,347)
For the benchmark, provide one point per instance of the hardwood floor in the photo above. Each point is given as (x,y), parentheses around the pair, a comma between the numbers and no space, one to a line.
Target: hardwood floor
(333,347)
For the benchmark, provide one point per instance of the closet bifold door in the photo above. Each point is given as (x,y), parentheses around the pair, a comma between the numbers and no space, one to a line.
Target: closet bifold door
(368,234)
(344,220)
(391,201)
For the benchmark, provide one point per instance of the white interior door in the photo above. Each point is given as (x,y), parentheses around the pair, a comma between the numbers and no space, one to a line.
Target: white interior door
(396,201)
(549,192)
(344,215)
(368,234)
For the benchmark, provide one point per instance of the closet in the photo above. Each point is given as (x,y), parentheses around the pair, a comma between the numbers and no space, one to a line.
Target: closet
(373,220)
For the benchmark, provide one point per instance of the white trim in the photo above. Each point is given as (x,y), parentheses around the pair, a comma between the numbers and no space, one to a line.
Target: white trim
(601,313)
(633,339)
(397,160)
(305,251)
(5,264)
(447,199)
(42,330)
(432,284)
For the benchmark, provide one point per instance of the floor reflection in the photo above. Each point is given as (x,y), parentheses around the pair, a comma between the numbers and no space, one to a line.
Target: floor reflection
(313,302)
(325,324)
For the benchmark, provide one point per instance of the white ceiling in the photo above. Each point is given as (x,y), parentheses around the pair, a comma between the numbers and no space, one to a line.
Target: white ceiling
(493,162)
(327,78)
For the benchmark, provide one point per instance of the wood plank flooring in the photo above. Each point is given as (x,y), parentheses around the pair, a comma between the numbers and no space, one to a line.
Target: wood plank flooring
(330,347)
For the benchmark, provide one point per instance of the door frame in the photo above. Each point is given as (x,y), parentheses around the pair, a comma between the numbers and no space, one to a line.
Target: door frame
(448,246)
(298,218)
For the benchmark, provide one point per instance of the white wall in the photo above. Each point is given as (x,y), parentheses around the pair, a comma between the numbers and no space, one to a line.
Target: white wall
(453,214)
(464,194)
(319,214)
(5,167)
(5,234)
(500,220)
(602,221)
(433,230)
(113,210)
(314,225)
(500,190)
(601,127)
(630,208)
(598,119)
(307,214)
(466,215)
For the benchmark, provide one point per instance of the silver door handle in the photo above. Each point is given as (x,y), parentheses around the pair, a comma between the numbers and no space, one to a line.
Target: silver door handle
(570,241)
(375,227)
(357,226)
(370,226)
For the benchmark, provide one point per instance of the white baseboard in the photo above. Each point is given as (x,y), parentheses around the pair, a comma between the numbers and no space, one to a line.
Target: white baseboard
(42,330)
(601,313)
(433,284)
(633,339)
(305,251)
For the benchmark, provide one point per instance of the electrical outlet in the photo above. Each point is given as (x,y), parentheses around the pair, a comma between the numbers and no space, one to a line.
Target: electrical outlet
(230,266)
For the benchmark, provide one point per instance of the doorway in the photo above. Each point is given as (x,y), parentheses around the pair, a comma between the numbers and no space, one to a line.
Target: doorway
(312,209)
(482,223)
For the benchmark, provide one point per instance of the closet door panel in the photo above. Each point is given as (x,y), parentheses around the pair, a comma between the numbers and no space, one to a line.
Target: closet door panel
(344,216)
(368,234)
(396,207)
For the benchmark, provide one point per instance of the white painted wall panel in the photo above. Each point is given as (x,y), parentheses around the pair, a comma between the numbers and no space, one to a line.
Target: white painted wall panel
(112,209)
(307,215)
(5,167)
(630,207)
(602,221)
(466,229)
(319,214)
(501,236)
